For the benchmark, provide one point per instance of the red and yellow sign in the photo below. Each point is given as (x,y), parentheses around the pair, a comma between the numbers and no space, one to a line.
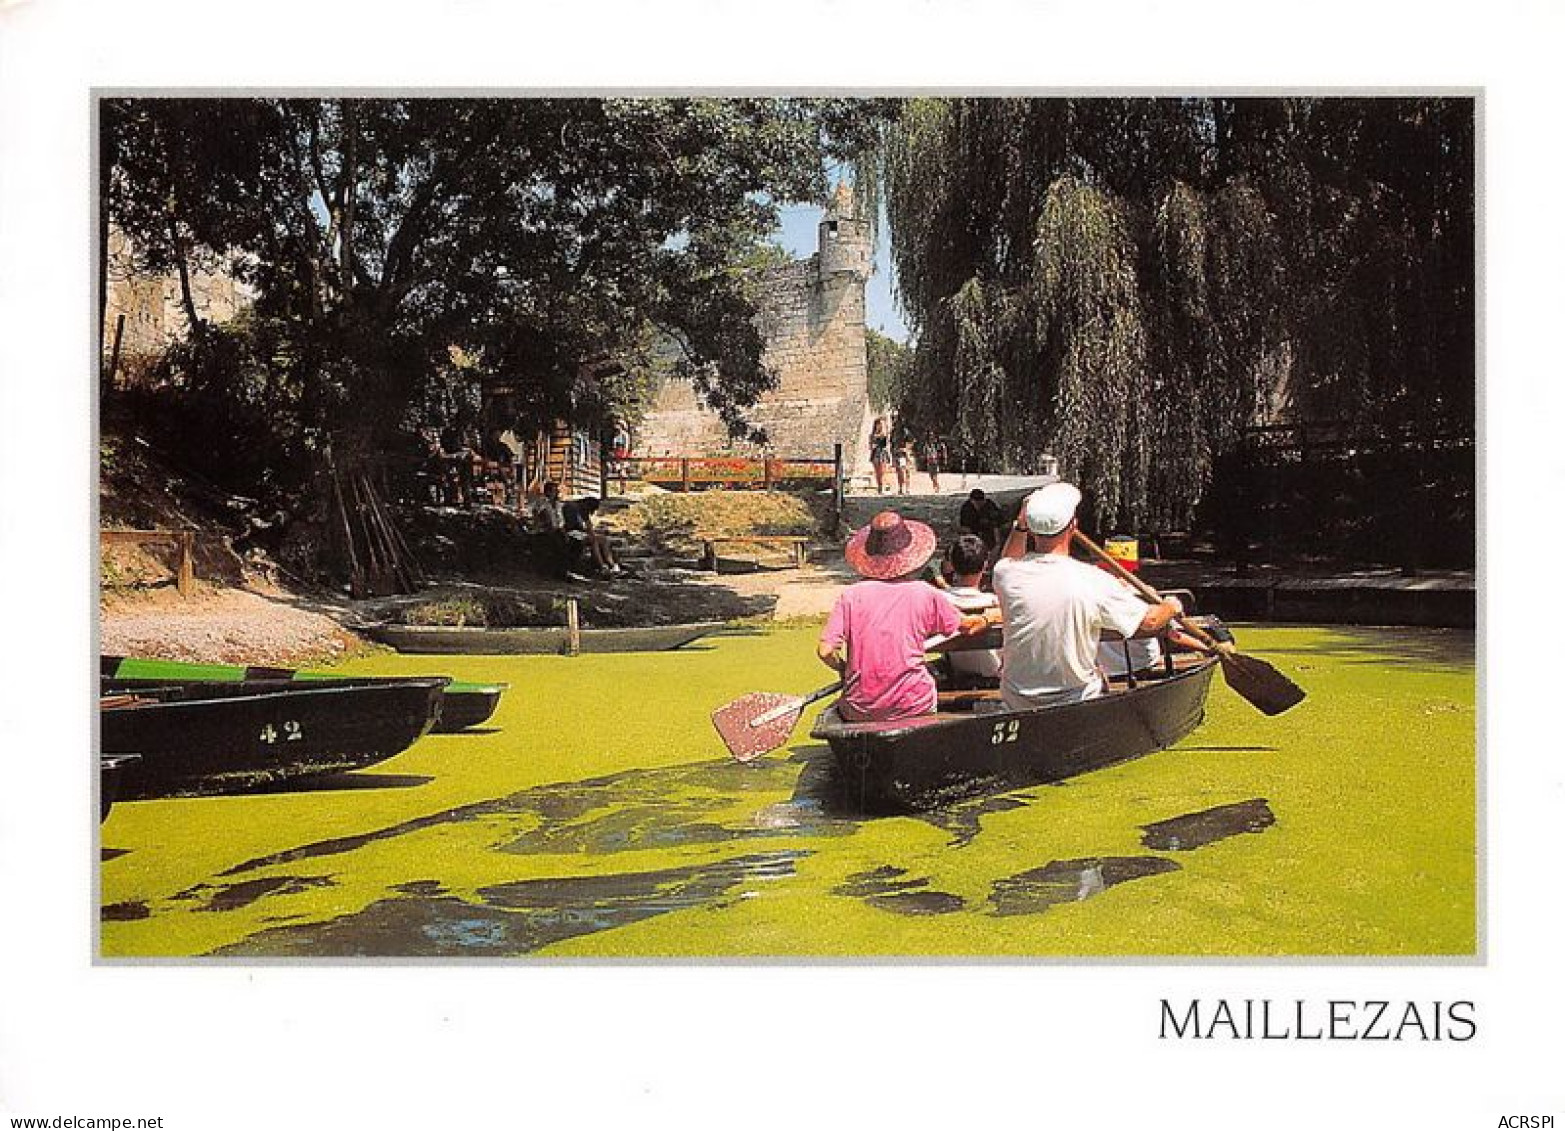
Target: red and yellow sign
(1124,550)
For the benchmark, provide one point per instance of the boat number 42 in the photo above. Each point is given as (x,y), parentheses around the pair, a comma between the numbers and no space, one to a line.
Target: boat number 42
(290,732)
(1005,731)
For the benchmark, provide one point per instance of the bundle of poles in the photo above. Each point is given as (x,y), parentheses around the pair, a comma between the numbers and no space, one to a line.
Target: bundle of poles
(379,562)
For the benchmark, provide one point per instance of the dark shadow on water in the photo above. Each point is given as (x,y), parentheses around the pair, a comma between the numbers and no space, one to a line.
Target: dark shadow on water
(420,888)
(232,897)
(124,912)
(1070,881)
(885,888)
(963,819)
(333,783)
(918,902)
(691,804)
(520,917)
(884,880)
(1194,830)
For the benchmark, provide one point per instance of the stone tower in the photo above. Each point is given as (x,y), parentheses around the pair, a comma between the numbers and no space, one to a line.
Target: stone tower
(811,313)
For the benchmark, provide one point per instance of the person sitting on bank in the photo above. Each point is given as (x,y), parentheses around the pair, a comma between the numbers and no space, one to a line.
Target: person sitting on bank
(979,515)
(1055,608)
(876,632)
(979,667)
(580,532)
(546,514)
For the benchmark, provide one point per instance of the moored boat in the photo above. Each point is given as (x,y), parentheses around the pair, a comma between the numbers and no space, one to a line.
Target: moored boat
(463,704)
(111,768)
(224,736)
(915,763)
(545,641)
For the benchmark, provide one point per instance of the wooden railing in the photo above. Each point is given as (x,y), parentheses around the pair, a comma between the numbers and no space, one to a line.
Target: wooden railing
(686,472)
(185,575)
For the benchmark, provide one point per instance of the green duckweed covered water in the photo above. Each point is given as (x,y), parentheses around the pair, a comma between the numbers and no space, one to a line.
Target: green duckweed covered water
(597,814)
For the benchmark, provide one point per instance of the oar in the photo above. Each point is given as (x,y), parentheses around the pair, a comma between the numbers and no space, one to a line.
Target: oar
(761,721)
(1255,680)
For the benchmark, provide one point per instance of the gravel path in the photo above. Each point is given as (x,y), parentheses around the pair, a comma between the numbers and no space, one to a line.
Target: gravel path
(251,626)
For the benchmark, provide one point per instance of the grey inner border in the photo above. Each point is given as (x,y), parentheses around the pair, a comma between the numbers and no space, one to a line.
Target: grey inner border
(1480,331)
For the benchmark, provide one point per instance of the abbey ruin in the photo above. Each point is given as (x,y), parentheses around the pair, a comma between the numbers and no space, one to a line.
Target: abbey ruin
(812,313)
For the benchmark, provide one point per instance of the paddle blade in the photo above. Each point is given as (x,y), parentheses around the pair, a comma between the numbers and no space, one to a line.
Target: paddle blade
(747,743)
(1262,685)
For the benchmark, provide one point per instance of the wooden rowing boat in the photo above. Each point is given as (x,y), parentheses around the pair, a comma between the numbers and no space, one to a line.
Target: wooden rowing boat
(462,704)
(111,769)
(225,736)
(915,763)
(546,641)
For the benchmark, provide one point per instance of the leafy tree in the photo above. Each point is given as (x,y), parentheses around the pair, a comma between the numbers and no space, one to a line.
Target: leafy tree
(395,246)
(890,365)
(1127,283)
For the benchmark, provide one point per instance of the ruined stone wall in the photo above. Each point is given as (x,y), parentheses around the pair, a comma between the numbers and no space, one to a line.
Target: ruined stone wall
(152,305)
(814,329)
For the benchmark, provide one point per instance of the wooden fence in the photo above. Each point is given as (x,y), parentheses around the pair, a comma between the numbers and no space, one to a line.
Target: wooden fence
(687,473)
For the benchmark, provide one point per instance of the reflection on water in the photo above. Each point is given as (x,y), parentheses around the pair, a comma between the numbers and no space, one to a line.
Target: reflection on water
(1193,830)
(1070,881)
(519,917)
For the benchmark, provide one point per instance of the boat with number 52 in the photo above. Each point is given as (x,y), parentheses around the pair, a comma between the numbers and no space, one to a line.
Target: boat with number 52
(964,749)
(217,737)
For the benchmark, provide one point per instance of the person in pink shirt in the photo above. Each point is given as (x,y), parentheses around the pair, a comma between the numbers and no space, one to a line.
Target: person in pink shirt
(876,632)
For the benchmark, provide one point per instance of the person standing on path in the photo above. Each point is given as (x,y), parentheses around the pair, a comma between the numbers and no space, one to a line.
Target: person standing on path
(1055,608)
(934,458)
(880,452)
(905,468)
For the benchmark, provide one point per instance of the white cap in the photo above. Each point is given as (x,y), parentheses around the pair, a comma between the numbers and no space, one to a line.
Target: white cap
(1051,508)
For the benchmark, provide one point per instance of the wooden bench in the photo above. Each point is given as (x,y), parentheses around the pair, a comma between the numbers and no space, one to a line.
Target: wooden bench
(185,576)
(796,542)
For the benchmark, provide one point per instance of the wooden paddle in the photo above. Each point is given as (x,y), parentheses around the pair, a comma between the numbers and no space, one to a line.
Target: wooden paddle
(761,721)
(1255,680)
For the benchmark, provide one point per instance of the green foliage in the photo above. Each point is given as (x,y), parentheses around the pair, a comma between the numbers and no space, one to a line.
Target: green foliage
(529,235)
(890,365)
(1128,283)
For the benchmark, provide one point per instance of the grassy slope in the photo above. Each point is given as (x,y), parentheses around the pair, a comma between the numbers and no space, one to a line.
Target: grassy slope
(1372,781)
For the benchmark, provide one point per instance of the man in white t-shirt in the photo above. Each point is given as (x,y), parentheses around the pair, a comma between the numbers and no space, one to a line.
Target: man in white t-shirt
(1056,608)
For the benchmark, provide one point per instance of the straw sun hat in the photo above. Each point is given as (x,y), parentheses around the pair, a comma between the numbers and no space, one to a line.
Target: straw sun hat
(890,546)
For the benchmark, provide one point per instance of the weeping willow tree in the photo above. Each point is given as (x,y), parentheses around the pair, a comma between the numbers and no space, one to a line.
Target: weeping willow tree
(1126,284)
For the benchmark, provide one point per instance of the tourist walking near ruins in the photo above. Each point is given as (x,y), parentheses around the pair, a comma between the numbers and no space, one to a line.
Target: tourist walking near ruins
(934,452)
(880,452)
(905,467)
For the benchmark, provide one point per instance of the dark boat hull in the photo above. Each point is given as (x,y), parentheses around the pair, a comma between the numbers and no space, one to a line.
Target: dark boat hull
(462,705)
(230,740)
(422,639)
(916,763)
(111,769)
